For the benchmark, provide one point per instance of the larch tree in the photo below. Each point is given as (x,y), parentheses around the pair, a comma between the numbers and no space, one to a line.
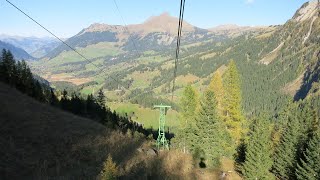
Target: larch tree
(211,135)
(216,86)
(109,170)
(258,156)
(232,99)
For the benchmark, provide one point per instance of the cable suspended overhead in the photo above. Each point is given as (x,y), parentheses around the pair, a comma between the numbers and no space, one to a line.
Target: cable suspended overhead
(73,49)
(182,4)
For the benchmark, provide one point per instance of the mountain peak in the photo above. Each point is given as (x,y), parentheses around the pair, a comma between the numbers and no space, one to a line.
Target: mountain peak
(163,16)
(165,23)
(307,11)
(226,27)
(161,23)
(96,27)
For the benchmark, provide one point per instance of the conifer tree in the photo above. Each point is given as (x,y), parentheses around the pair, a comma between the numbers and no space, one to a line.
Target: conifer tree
(37,91)
(19,77)
(76,104)
(7,66)
(27,78)
(285,158)
(101,99)
(2,78)
(217,87)
(90,106)
(188,105)
(308,118)
(211,135)
(53,100)
(309,168)
(233,114)
(258,156)
(64,100)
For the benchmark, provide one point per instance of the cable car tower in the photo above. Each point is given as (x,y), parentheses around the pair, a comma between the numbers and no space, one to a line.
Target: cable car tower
(161,140)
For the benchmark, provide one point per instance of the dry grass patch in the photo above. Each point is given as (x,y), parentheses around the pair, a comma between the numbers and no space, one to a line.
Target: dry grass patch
(66,78)
(265,34)
(272,55)
(186,79)
(293,87)
(207,56)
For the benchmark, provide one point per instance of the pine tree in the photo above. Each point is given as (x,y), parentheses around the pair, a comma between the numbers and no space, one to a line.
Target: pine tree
(233,114)
(37,91)
(65,101)
(14,74)
(101,99)
(2,70)
(285,158)
(7,66)
(27,78)
(188,105)
(76,104)
(90,106)
(211,135)
(308,121)
(308,117)
(19,77)
(309,168)
(53,98)
(258,156)
(217,87)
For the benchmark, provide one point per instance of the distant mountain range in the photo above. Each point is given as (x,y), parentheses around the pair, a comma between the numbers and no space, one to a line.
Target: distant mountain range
(36,47)
(18,53)
(157,32)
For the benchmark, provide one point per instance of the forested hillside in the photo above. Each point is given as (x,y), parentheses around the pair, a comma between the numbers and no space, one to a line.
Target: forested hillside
(263,147)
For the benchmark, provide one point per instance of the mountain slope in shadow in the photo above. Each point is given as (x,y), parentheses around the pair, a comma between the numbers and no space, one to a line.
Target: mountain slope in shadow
(42,142)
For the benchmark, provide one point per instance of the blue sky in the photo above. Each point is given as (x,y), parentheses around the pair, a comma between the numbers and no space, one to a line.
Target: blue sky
(67,17)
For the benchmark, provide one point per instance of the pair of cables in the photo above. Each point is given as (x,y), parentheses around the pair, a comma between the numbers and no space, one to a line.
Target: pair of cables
(182,4)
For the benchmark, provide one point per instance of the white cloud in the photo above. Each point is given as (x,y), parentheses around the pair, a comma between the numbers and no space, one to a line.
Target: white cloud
(249,1)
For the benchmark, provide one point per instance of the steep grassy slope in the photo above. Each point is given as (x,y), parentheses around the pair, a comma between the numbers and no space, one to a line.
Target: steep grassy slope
(40,142)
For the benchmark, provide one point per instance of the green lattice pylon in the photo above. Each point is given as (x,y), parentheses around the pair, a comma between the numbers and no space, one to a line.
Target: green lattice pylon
(161,140)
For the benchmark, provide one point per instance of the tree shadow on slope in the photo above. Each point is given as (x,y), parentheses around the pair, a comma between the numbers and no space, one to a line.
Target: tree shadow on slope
(311,76)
